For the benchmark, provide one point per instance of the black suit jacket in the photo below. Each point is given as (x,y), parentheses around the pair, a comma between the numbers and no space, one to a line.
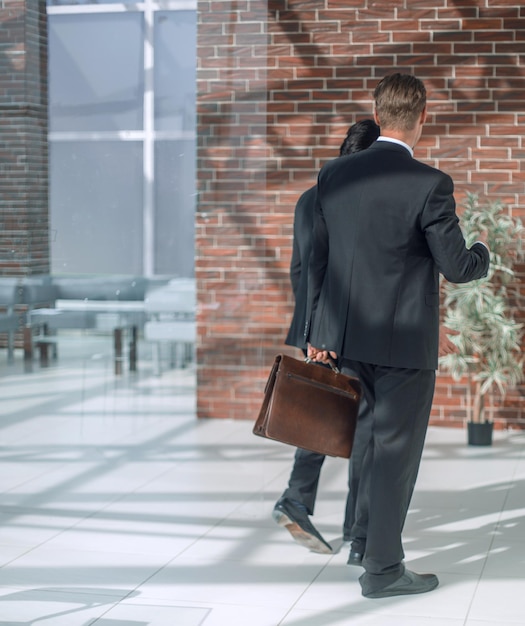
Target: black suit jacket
(385,227)
(302,246)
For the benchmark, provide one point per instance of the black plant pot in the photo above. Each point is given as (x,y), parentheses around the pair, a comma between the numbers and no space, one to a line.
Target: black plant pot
(480,433)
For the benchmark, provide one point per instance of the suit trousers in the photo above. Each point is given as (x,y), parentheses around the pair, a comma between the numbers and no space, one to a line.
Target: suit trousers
(304,478)
(305,474)
(400,401)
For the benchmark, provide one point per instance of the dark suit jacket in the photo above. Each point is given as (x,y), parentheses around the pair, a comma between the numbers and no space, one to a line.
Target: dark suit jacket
(302,246)
(385,227)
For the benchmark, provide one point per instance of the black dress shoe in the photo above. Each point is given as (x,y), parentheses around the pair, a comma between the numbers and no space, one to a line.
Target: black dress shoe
(410,583)
(355,558)
(300,527)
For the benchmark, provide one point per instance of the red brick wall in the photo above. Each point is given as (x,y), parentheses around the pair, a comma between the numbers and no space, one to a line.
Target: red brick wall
(24,243)
(279,82)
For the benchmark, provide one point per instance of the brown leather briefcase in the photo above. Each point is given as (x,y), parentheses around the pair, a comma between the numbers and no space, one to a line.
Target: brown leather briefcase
(309,406)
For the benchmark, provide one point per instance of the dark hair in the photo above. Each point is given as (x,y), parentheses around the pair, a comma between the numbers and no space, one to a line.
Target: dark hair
(359,136)
(399,101)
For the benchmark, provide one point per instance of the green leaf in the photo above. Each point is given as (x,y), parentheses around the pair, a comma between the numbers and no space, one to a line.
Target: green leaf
(489,339)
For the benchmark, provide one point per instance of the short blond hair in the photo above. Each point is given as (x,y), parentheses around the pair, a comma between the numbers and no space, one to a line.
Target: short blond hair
(399,101)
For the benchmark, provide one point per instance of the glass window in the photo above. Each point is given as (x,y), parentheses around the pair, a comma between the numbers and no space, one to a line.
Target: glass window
(175,207)
(175,70)
(96,199)
(97,175)
(96,77)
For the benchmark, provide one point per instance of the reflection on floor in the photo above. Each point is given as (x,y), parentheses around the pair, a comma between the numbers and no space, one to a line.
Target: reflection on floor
(119,508)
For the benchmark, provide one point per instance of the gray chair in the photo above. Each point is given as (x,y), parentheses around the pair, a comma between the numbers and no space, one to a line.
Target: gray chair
(170,311)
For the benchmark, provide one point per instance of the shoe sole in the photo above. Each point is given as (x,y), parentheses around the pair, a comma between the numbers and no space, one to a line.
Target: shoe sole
(400,591)
(299,535)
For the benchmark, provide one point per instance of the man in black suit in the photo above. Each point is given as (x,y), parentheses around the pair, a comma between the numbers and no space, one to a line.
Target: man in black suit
(385,228)
(298,500)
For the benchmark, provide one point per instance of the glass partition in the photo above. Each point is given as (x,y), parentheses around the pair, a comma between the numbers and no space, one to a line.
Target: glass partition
(175,84)
(175,191)
(122,102)
(96,221)
(96,86)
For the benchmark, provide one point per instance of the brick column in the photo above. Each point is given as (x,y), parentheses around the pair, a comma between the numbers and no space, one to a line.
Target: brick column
(240,265)
(24,241)
(279,82)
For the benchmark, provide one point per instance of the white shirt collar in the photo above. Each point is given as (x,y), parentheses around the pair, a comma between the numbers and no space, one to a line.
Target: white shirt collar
(398,141)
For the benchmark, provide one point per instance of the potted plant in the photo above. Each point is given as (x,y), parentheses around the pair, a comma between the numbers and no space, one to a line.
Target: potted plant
(489,338)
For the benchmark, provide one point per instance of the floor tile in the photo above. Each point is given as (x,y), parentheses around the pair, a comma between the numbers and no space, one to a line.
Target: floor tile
(165,612)
(233,582)
(498,600)
(297,617)
(119,508)
(506,558)
(54,607)
(70,569)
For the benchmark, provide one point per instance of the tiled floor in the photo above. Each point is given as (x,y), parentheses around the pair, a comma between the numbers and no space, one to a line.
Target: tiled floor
(119,508)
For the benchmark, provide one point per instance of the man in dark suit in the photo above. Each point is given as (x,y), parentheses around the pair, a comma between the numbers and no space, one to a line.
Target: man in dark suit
(385,228)
(298,500)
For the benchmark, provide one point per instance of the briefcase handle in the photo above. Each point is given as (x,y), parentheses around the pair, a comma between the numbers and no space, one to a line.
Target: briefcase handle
(330,361)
